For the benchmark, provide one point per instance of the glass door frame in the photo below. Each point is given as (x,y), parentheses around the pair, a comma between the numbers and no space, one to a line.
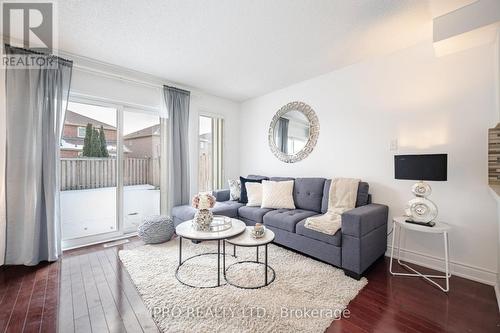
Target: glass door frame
(119,233)
(120,153)
(220,133)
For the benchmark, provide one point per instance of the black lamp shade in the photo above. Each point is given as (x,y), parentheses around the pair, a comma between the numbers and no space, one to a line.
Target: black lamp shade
(421,167)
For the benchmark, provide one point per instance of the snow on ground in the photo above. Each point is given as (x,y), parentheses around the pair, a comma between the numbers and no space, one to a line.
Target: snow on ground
(91,212)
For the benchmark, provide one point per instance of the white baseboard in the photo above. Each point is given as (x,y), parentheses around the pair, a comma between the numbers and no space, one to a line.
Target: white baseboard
(497,292)
(459,269)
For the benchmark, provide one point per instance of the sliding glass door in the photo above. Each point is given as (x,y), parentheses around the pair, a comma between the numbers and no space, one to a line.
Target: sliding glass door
(141,167)
(110,171)
(88,174)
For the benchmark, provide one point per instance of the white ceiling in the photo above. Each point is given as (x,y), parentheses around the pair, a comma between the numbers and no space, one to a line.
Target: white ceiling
(239,49)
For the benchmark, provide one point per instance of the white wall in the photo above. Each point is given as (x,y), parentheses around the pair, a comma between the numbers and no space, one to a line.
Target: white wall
(429,105)
(497,89)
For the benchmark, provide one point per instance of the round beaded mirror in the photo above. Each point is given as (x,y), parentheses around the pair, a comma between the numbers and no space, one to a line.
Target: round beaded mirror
(293,132)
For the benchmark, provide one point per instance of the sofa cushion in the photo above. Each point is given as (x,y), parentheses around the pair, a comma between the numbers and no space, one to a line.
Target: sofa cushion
(308,193)
(254,194)
(286,219)
(322,237)
(361,200)
(226,208)
(281,179)
(183,213)
(277,194)
(243,193)
(363,196)
(255,214)
(234,189)
(257,177)
(221,195)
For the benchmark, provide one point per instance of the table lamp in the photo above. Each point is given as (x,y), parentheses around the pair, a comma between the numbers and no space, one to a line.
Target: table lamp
(430,167)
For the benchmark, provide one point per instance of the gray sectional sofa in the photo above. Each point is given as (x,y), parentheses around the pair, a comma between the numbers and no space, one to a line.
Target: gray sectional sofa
(360,242)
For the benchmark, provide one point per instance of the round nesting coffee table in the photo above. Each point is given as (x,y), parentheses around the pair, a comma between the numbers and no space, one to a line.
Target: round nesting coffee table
(185,230)
(246,239)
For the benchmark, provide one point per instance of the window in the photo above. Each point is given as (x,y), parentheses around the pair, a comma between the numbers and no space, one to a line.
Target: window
(210,153)
(81,132)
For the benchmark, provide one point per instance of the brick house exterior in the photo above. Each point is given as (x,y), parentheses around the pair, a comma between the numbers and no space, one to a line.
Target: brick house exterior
(74,135)
(144,143)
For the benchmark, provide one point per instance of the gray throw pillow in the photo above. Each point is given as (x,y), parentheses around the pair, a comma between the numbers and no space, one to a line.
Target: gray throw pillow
(234,189)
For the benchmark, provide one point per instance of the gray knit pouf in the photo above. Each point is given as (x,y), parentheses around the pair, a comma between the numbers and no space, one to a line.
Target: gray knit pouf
(156,229)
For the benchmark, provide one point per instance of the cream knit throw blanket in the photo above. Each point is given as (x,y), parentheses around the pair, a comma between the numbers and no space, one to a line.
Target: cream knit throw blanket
(343,193)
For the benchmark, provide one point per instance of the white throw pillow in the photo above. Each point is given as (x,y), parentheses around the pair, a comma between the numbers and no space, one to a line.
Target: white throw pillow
(234,189)
(254,194)
(277,194)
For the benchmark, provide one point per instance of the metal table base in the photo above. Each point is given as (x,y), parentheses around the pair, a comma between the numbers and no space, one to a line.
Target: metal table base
(182,262)
(267,281)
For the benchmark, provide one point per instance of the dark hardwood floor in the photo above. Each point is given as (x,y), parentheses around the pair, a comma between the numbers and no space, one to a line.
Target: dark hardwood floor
(407,304)
(90,291)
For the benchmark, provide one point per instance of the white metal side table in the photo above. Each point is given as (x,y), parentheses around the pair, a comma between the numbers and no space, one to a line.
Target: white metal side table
(400,223)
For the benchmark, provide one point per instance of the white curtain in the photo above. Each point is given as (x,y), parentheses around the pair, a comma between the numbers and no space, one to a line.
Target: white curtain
(36,105)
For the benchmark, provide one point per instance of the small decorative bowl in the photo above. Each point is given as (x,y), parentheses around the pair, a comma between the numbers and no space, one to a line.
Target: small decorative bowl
(258,233)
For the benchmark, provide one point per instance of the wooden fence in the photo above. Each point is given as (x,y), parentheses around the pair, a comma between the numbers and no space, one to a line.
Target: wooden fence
(89,173)
(204,173)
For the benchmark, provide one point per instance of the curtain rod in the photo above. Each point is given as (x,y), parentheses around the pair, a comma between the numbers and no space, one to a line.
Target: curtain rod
(178,89)
(31,51)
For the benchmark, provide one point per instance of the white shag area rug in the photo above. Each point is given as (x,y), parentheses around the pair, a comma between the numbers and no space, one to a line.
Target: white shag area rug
(306,296)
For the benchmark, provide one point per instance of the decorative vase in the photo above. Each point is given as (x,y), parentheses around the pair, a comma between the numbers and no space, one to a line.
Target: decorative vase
(421,209)
(202,220)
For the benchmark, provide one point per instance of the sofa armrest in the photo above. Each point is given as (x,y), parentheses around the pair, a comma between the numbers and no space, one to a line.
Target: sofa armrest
(360,221)
(364,237)
(221,195)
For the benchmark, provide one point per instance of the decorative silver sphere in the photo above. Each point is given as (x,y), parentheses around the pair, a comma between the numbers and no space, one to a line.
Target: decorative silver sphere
(421,189)
(422,210)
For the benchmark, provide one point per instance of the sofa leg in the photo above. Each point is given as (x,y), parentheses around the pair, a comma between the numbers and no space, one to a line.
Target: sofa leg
(352,274)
